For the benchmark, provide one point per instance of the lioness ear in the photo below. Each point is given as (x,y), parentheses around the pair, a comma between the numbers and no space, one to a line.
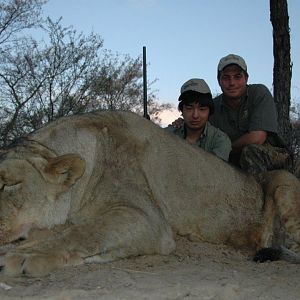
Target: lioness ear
(64,169)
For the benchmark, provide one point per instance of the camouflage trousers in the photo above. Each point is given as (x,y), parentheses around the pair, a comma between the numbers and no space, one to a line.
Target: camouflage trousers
(255,159)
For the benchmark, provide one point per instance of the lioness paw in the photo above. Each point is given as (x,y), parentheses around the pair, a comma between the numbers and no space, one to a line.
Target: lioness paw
(29,265)
(12,265)
(35,264)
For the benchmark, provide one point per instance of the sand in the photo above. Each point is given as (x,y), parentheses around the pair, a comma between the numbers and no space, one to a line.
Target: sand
(193,271)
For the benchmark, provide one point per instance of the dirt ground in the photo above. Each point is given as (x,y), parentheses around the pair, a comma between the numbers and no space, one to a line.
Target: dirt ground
(194,271)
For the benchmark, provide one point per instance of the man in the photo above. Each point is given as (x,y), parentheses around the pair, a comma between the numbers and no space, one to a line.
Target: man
(196,106)
(247,113)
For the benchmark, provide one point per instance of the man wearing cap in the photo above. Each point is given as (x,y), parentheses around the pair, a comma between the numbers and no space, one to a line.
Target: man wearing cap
(247,113)
(196,106)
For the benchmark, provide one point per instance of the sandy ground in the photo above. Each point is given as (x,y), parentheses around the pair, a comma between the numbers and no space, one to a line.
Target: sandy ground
(194,271)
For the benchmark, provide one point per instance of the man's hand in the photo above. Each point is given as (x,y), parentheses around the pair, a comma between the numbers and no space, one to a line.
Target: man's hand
(177,123)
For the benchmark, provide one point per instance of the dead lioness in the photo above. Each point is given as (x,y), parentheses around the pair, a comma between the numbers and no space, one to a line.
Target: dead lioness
(107,185)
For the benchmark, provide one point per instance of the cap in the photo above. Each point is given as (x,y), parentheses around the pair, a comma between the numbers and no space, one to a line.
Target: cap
(196,90)
(231,59)
(196,85)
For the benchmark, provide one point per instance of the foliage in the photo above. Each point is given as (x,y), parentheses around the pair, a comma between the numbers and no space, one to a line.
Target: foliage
(69,74)
(17,15)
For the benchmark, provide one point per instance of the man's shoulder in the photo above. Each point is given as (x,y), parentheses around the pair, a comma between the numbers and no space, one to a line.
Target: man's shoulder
(217,99)
(210,127)
(170,128)
(256,86)
(216,132)
(177,130)
(259,94)
(217,103)
(257,89)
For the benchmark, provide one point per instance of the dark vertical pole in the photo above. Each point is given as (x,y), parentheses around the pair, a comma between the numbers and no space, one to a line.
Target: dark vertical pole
(145,83)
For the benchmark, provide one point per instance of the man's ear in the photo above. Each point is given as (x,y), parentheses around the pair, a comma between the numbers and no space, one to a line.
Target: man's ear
(63,170)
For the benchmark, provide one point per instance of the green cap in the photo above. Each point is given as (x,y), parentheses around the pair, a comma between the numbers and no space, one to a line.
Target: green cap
(196,85)
(232,59)
(196,89)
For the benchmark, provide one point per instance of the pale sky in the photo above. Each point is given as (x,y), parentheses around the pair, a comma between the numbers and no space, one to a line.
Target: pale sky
(185,38)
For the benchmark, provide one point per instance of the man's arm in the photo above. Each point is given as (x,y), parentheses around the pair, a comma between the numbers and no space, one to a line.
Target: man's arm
(254,137)
(221,145)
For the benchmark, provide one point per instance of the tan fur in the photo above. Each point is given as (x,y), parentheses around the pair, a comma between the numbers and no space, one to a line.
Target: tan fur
(282,198)
(107,185)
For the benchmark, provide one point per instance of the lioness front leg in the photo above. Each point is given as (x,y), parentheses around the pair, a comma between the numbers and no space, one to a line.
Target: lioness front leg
(283,189)
(126,232)
(38,263)
(120,232)
(282,196)
(39,256)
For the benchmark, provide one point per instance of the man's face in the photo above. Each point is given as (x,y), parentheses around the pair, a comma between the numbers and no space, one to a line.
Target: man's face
(195,116)
(233,82)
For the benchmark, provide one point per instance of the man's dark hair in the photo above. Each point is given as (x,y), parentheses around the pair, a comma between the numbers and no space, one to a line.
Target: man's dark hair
(189,97)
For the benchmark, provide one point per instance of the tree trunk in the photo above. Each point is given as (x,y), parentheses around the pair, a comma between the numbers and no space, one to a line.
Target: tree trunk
(282,72)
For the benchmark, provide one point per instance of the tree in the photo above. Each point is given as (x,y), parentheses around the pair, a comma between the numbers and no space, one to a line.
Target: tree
(69,74)
(282,71)
(17,15)
(38,81)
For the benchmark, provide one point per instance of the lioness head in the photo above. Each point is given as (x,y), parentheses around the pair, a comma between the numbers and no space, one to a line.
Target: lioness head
(32,178)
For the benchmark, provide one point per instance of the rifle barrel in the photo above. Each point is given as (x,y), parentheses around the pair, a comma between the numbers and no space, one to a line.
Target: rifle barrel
(145,83)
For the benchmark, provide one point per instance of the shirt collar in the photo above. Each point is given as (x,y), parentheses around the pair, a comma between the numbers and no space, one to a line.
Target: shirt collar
(204,133)
(243,98)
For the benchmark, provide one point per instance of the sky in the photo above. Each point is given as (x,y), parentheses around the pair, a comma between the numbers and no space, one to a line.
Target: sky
(185,38)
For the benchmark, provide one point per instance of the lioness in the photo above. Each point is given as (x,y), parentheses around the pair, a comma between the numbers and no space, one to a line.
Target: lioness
(107,185)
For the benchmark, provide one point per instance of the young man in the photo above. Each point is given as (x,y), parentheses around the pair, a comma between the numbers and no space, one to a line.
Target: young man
(247,113)
(196,106)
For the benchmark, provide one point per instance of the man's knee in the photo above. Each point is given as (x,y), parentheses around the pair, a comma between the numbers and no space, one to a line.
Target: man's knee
(260,158)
